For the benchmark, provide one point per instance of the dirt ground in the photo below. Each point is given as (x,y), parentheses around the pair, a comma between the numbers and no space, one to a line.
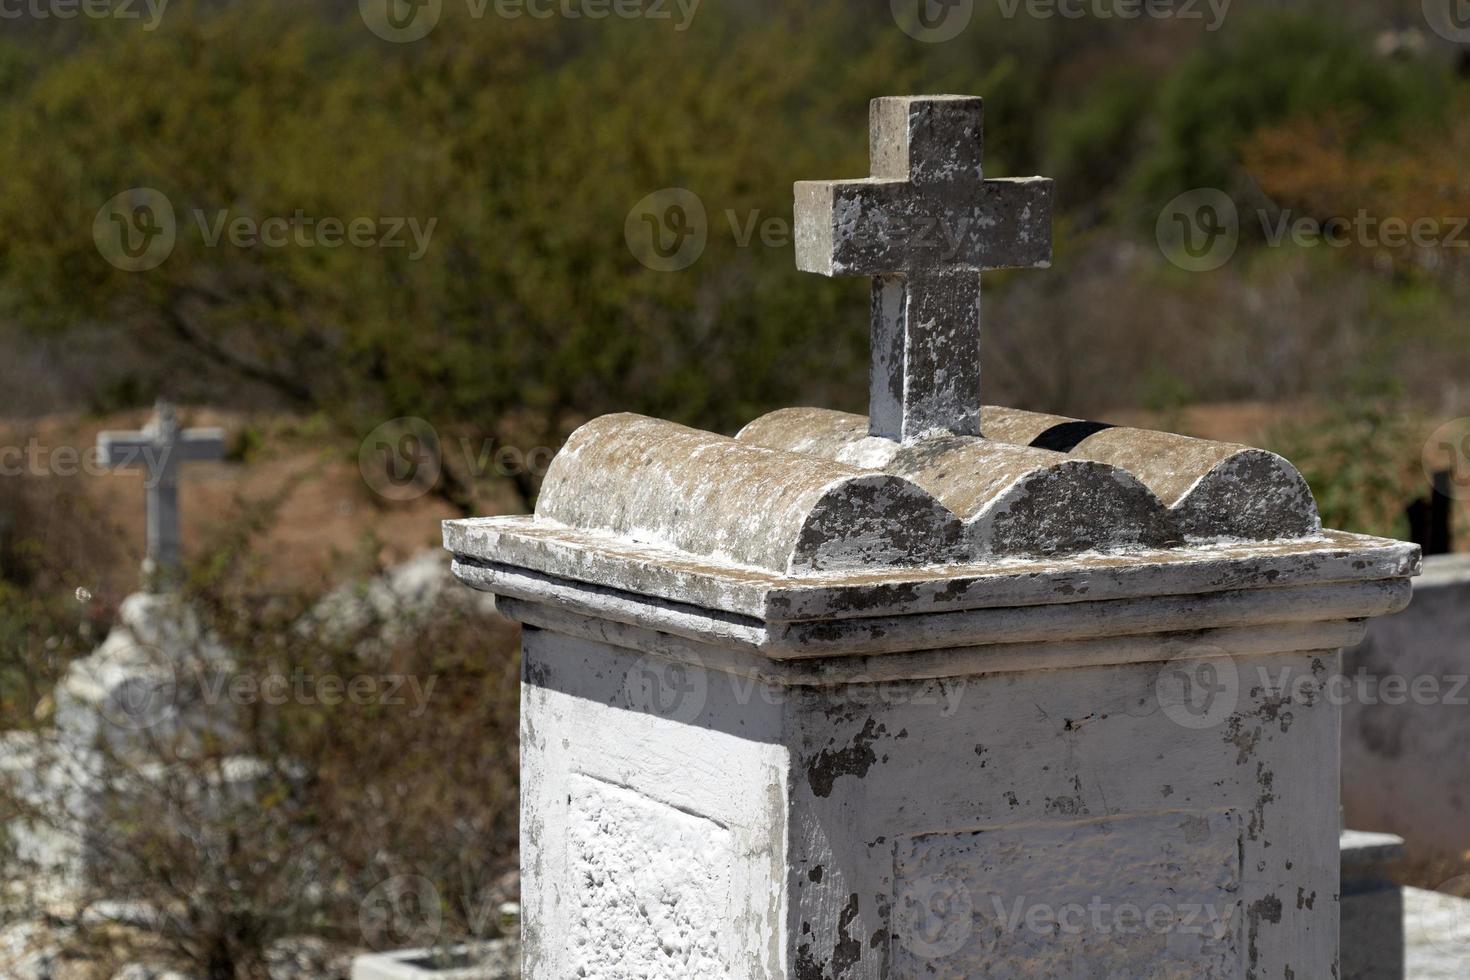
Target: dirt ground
(330,524)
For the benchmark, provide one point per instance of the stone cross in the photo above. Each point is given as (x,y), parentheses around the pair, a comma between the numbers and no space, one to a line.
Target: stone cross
(924,226)
(161,448)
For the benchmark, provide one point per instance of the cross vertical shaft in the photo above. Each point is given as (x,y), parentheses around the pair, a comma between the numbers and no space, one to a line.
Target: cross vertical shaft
(925,375)
(924,227)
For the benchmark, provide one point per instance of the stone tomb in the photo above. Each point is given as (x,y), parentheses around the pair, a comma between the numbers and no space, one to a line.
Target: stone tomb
(885,698)
(1372,907)
(1406,717)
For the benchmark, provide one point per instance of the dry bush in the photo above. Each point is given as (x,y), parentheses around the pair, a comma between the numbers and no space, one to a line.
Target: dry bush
(382,818)
(48,530)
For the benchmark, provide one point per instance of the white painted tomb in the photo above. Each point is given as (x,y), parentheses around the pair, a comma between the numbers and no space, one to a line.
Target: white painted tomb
(851,699)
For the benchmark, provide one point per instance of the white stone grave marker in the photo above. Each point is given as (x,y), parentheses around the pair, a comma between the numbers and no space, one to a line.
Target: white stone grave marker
(161,449)
(879,699)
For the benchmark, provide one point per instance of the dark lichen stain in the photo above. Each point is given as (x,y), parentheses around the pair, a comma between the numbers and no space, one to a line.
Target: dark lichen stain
(815,874)
(1269,910)
(1245,740)
(853,760)
(849,948)
(1265,781)
(1196,829)
(878,939)
(806,967)
(1066,806)
(1011,799)
(1303,900)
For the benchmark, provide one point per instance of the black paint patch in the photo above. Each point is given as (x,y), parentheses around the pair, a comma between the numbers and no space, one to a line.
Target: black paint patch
(849,948)
(855,760)
(1067,436)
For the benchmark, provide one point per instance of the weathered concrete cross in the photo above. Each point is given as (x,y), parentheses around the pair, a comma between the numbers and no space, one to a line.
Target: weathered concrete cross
(924,226)
(161,448)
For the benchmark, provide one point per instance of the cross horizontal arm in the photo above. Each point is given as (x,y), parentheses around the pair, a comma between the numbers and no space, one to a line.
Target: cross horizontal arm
(879,227)
(126,448)
(200,445)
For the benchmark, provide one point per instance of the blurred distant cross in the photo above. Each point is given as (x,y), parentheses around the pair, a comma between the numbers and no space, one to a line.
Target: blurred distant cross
(924,226)
(160,449)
